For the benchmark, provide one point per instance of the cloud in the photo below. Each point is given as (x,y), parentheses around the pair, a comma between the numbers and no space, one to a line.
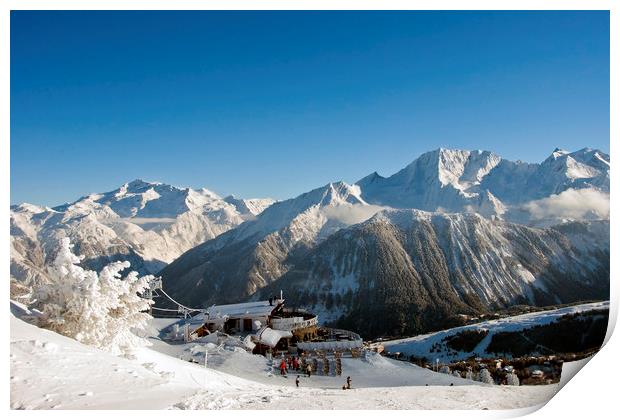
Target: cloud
(352,214)
(571,204)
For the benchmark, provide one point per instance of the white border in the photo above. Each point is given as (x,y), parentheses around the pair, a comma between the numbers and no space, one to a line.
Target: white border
(591,394)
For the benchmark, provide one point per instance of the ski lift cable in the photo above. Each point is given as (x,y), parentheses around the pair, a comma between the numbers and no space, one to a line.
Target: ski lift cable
(180,305)
(166,310)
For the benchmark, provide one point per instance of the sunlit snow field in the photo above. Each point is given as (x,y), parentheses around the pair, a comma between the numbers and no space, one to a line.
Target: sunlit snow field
(52,371)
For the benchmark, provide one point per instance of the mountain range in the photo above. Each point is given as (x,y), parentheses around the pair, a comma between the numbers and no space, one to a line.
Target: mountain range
(454,232)
(147,224)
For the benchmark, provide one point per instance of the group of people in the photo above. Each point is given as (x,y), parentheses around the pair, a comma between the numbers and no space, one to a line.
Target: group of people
(293,364)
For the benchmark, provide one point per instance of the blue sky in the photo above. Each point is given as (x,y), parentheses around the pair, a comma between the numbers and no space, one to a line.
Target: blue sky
(277,103)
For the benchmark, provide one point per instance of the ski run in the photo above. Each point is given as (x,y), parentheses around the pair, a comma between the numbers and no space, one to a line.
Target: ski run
(50,371)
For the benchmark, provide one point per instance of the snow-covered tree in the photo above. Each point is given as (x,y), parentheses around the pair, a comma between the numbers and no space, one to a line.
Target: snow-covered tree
(456,373)
(71,302)
(128,310)
(512,379)
(445,369)
(469,374)
(485,376)
(98,310)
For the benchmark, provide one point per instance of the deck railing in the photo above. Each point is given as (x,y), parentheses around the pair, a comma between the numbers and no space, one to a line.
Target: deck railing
(337,340)
(293,323)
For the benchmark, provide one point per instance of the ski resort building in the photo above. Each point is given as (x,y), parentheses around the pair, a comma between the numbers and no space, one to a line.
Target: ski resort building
(269,326)
(242,317)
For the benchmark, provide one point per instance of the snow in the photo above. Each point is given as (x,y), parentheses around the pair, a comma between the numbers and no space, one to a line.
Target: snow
(245,309)
(421,345)
(101,309)
(52,371)
(156,222)
(302,218)
(481,181)
(253,206)
(270,337)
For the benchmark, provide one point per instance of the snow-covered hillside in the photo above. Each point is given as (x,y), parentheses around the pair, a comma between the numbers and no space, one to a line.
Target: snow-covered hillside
(148,224)
(52,371)
(407,271)
(448,257)
(251,256)
(481,181)
(472,247)
(431,346)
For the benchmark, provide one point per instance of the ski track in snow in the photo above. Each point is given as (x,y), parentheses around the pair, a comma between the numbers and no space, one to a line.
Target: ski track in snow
(49,371)
(421,345)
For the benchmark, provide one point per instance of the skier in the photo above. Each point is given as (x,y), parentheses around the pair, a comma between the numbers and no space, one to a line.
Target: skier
(297,381)
(309,369)
(295,363)
(348,382)
(282,367)
(290,363)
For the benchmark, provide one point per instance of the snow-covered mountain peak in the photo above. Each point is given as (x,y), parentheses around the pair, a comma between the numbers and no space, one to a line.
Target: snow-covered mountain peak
(557,152)
(249,206)
(480,181)
(29,208)
(457,168)
(139,185)
(340,192)
(308,217)
(146,223)
(586,166)
(370,179)
(331,194)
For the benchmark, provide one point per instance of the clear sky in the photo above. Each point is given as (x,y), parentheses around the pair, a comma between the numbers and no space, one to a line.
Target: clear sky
(277,103)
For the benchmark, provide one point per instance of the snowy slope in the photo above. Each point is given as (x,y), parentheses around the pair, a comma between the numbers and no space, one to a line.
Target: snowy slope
(148,224)
(408,271)
(421,345)
(442,179)
(481,262)
(49,371)
(483,182)
(243,260)
(221,250)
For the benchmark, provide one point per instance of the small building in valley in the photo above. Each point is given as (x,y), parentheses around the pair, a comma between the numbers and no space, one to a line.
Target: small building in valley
(269,326)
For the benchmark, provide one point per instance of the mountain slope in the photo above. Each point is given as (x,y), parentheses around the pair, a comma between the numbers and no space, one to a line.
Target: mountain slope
(406,271)
(243,260)
(148,224)
(472,247)
(482,182)
(436,345)
(464,256)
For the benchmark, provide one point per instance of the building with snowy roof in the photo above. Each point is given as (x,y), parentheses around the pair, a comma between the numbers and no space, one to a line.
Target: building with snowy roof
(272,327)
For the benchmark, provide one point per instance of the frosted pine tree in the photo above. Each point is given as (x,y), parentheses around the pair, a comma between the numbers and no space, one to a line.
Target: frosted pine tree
(445,370)
(127,313)
(485,376)
(456,373)
(469,374)
(512,379)
(71,302)
(100,310)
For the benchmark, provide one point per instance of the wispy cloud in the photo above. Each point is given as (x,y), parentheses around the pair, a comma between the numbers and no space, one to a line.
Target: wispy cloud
(574,204)
(352,214)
